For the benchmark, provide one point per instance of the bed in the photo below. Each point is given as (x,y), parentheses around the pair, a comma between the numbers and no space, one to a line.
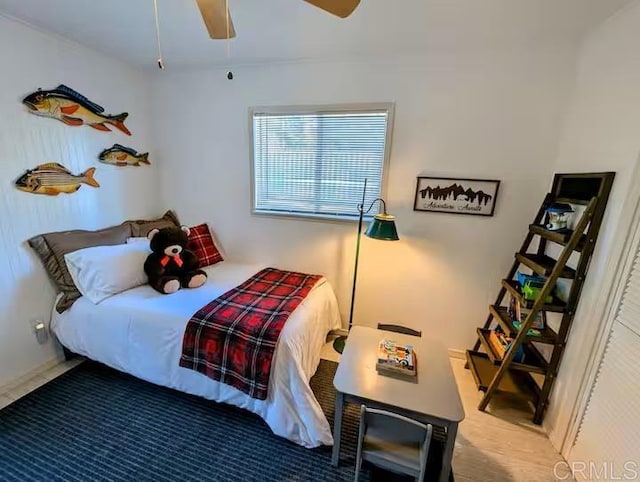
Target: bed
(140,332)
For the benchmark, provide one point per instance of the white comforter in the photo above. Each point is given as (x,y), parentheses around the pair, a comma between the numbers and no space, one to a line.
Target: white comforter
(140,332)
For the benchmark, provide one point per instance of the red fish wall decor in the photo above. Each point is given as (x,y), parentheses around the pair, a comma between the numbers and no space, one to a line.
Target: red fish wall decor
(74,109)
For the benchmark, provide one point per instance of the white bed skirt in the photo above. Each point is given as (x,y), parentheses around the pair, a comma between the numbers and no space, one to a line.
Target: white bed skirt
(140,332)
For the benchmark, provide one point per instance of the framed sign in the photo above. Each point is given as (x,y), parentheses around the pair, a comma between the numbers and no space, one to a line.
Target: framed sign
(456,196)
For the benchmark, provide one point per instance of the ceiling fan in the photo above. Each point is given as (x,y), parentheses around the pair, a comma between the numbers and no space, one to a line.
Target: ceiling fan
(218,20)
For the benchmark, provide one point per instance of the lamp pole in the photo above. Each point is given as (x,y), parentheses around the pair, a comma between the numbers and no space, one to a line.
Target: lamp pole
(355,269)
(382,227)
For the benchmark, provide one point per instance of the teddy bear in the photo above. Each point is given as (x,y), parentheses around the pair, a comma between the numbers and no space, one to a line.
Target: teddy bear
(171,266)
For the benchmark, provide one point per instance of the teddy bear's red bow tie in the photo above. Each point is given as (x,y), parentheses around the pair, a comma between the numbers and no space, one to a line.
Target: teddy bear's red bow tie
(176,259)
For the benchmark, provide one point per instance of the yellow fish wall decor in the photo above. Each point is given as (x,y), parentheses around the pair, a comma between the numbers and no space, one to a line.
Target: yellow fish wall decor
(53,178)
(120,155)
(74,109)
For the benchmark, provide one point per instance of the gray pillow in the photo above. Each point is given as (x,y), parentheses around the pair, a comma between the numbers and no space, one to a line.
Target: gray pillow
(141,228)
(52,247)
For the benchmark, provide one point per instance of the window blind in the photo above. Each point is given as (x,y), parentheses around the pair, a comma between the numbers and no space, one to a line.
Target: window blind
(316,163)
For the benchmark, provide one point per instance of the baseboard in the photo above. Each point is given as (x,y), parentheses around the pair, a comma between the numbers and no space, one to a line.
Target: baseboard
(339,332)
(456,353)
(39,370)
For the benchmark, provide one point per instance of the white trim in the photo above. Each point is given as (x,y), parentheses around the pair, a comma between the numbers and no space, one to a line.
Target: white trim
(456,353)
(362,107)
(342,219)
(38,371)
(339,332)
(627,236)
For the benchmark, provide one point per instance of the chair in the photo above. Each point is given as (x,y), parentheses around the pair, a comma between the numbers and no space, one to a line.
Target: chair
(399,329)
(393,442)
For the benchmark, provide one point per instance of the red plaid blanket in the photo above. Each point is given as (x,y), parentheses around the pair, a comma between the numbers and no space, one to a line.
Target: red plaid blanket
(233,338)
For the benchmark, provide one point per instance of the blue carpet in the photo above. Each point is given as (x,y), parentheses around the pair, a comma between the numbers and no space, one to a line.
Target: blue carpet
(96,424)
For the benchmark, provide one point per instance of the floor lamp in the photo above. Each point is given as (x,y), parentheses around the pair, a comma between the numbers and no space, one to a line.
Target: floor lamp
(382,227)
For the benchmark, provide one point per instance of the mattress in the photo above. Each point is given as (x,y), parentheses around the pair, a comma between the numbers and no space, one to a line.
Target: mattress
(140,332)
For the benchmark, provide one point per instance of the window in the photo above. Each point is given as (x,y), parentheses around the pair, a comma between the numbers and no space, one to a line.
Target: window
(313,161)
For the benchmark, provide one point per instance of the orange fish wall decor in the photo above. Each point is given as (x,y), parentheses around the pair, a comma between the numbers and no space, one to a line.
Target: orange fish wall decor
(74,109)
(120,155)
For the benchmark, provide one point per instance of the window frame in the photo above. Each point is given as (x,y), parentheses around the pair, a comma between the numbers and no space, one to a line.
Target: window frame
(355,108)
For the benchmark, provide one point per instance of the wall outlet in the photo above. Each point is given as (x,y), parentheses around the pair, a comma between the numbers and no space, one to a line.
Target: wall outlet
(40,330)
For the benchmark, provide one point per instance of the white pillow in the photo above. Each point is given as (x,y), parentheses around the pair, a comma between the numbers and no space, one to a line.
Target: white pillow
(103,271)
(138,240)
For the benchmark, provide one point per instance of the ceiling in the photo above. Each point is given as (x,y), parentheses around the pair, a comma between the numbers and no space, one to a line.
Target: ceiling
(280,30)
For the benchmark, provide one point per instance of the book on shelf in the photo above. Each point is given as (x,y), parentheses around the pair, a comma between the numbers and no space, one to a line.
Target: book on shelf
(501,342)
(519,316)
(498,342)
(396,358)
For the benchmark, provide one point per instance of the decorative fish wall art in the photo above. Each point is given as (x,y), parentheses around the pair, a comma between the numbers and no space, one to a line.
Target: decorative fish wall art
(120,155)
(74,109)
(53,178)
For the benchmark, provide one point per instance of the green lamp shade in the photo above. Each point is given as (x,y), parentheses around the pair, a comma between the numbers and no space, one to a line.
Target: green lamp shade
(383,227)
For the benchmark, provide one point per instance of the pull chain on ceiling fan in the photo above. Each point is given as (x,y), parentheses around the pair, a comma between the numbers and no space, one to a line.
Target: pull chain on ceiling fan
(155,10)
(229,73)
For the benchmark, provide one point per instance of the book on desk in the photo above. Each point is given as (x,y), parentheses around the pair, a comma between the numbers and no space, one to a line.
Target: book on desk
(397,360)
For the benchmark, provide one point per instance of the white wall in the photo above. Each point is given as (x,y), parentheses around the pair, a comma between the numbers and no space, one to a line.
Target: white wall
(494,116)
(31,59)
(602,133)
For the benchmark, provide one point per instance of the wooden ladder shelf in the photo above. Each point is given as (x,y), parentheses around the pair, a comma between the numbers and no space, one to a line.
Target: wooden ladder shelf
(495,372)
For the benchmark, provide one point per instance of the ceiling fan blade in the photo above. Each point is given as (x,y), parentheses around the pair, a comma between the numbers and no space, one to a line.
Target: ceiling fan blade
(341,8)
(215,15)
